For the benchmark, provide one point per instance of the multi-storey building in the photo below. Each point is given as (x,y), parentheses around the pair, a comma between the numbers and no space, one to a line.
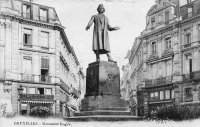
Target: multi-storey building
(189,89)
(38,66)
(125,81)
(165,57)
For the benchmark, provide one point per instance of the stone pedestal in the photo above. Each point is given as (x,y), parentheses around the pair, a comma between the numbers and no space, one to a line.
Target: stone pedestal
(103,88)
(102,101)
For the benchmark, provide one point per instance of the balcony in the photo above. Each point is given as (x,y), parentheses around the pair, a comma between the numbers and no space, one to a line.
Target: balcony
(153,57)
(64,86)
(158,81)
(74,92)
(45,79)
(28,45)
(187,45)
(191,76)
(192,44)
(36,97)
(27,15)
(188,15)
(168,52)
(189,98)
(27,77)
(44,19)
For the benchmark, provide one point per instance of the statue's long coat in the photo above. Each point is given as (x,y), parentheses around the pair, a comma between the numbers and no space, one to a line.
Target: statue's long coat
(100,34)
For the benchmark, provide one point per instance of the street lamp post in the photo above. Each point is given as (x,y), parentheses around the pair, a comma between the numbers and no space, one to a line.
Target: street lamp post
(20,89)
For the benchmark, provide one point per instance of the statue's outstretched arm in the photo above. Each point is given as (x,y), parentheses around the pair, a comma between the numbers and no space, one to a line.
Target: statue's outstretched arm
(112,28)
(90,23)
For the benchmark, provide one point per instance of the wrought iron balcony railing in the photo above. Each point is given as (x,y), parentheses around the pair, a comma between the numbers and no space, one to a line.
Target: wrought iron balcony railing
(44,19)
(65,86)
(188,15)
(28,45)
(74,92)
(27,15)
(168,52)
(36,97)
(189,98)
(191,76)
(158,81)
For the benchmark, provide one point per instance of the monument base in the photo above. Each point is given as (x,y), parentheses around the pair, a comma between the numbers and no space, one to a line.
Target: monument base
(102,101)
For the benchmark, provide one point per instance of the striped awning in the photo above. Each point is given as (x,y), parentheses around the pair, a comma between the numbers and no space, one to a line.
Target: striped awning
(38,102)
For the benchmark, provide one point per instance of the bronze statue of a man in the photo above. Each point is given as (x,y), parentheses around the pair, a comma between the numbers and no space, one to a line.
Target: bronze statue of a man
(100,33)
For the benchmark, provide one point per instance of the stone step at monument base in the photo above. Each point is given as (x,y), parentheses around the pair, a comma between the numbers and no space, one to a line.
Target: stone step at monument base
(103,112)
(104,118)
(107,109)
(103,115)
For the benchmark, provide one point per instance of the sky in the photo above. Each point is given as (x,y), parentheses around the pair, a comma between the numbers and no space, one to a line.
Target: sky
(129,15)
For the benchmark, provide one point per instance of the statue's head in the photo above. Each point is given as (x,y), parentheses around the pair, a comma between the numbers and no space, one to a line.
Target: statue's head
(100,8)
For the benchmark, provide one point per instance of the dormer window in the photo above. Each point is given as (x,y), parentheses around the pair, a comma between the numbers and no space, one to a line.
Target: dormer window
(26,12)
(153,21)
(43,15)
(190,11)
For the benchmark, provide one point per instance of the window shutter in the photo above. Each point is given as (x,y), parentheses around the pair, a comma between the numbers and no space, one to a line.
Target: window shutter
(24,37)
(29,39)
(47,63)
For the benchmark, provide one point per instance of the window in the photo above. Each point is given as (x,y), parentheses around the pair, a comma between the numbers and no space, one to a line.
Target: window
(40,91)
(188,38)
(161,95)
(27,38)
(167,94)
(44,70)
(153,46)
(44,38)
(27,11)
(188,64)
(43,15)
(190,9)
(167,17)
(156,95)
(152,96)
(153,21)
(168,43)
(168,68)
(24,90)
(48,91)
(31,90)
(172,94)
(27,65)
(44,63)
(188,93)
(189,1)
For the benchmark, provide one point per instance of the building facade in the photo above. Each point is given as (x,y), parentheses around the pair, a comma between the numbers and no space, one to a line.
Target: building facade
(165,57)
(38,66)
